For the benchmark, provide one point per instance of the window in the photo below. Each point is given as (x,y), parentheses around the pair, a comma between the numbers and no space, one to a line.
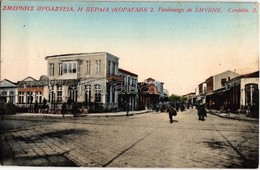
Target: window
(74,68)
(69,67)
(128,80)
(4,93)
(251,94)
(98,65)
(59,93)
(113,68)
(108,93)
(60,69)
(29,97)
(65,70)
(113,96)
(223,81)
(38,96)
(109,67)
(20,97)
(88,67)
(88,93)
(11,97)
(73,93)
(51,94)
(51,69)
(98,93)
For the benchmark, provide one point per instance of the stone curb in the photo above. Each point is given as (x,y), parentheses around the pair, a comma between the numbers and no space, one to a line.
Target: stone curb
(234,118)
(117,115)
(71,116)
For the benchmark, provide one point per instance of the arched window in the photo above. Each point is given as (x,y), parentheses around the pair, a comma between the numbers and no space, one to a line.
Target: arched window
(4,93)
(59,93)
(87,93)
(73,93)
(11,97)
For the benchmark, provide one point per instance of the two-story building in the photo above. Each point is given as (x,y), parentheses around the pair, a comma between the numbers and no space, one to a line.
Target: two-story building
(200,92)
(243,92)
(128,91)
(86,78)
(215,95)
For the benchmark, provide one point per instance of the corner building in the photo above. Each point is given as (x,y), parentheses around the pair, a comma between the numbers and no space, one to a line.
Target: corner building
(85,78)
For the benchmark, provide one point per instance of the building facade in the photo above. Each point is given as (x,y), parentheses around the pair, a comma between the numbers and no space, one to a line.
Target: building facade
(215,85)
(87,78)
(7,91)
(128,94)
(151,93)
(29,92)
(243,91)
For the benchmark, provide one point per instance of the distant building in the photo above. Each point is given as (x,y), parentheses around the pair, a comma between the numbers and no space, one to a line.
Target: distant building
(7,91)
(202,89)
(215,85)
(151,93)
(189,97)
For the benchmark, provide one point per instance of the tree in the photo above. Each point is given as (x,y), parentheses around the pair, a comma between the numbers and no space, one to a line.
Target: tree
(184,99)
(174,98)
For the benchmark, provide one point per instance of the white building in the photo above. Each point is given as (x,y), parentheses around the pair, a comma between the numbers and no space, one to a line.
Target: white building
(84,78)
(7,91)
(244,90)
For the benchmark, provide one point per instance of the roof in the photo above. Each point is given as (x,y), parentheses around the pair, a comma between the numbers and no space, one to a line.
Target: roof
(222,73)
(44,78)
(29,78)
(192,93)
(250,75)
(127,72)
(202,83)
(149,79)
(7,83)
(75,54)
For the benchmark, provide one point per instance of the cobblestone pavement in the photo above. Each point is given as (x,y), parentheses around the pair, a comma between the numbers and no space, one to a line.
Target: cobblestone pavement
(146,140)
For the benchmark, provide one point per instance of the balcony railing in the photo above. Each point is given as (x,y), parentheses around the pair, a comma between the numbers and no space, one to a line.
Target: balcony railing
(112,77)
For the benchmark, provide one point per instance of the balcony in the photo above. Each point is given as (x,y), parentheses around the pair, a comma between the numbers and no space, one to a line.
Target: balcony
(112,77)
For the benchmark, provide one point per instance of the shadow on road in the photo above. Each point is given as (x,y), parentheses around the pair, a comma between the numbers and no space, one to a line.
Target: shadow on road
(28,157)
(246,161)
(52,134)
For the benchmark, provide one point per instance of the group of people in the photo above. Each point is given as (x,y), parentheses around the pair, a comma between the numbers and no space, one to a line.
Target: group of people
(202,113)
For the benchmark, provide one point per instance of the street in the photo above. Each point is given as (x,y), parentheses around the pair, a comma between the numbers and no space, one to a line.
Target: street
(145,140)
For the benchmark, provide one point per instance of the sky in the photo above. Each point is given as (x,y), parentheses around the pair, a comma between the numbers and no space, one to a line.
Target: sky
(180,49)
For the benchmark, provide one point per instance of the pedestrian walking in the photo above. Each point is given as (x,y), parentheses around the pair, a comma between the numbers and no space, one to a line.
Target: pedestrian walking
(202,111)
(172,112)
